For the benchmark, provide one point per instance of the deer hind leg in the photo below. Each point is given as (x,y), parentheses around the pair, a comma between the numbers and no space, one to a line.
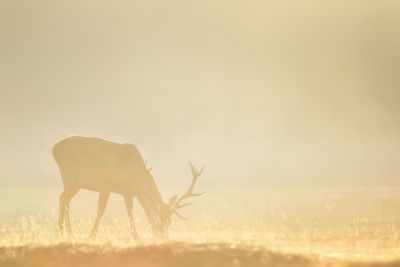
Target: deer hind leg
(64,201)
(129,211)
(103,197)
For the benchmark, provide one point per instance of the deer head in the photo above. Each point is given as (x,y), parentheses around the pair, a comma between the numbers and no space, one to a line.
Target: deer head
(175,203)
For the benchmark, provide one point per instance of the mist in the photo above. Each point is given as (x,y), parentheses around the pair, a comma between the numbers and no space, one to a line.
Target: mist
(261,92)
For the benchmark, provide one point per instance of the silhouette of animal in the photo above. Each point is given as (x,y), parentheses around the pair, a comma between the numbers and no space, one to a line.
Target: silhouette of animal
(107,167)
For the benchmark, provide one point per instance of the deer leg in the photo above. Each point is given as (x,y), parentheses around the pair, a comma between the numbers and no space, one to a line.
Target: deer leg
(64,200)
(103,197)
(61,215)
(150,215)
(67,219)
(129,211)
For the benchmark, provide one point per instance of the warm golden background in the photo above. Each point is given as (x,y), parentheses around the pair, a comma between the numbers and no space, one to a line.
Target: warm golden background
(267,94)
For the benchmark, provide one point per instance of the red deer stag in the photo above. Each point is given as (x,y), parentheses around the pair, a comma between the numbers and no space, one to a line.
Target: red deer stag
(102,166)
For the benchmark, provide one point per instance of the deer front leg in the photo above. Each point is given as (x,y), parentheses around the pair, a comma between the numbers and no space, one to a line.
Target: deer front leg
(103,197)
(129,210)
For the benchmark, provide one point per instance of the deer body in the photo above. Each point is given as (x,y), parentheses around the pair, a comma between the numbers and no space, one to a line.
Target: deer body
(100,165)
(103,166)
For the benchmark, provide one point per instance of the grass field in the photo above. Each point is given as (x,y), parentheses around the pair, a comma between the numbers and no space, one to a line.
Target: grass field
(262,227)
(166,254)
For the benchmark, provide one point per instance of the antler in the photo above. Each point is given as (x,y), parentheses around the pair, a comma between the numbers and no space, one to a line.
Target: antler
(189,193)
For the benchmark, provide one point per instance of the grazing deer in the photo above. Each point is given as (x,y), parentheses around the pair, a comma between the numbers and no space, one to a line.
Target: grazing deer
(102,166)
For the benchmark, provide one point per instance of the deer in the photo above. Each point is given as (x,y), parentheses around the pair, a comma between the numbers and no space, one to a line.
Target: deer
(107,167)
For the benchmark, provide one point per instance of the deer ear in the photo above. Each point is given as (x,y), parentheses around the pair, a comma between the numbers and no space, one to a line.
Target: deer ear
(172,200)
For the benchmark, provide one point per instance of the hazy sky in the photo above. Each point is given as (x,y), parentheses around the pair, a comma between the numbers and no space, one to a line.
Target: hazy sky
(266,92)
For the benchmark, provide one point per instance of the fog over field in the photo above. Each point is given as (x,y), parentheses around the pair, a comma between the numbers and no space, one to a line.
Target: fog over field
(292,106)
(288,93)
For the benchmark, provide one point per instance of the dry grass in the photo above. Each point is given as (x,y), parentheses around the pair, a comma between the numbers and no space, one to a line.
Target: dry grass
(33,242)
(331,229)
(166,254)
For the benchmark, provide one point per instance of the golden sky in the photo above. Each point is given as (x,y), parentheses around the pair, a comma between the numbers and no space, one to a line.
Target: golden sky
(270,92)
